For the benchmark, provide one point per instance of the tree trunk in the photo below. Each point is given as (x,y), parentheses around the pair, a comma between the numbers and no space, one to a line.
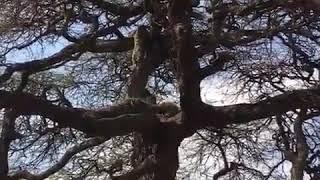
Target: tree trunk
(7,135)
(144,144)
(167,160)
(301,153)
(297,171)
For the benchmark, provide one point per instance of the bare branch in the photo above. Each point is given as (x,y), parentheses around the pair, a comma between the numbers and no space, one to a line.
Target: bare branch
(61,162)
(244,113)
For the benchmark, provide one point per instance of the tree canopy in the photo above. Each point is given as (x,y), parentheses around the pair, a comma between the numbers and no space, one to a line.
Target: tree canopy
(129,89)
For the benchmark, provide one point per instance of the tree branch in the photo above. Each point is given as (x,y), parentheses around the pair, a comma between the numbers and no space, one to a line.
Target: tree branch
(138,115)
(187,71)
(62,161)
(246,112)
(117,9)
(65,55)
(132,115)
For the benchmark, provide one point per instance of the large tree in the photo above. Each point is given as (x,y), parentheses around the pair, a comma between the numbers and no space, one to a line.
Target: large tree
(125,92)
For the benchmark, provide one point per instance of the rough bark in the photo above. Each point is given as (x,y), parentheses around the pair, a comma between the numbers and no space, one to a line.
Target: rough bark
(8,134)
(300,155)
(167,160)
(143,66)
(107,122)
(187,66)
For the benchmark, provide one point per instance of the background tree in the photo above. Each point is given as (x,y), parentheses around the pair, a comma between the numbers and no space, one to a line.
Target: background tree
(126,91)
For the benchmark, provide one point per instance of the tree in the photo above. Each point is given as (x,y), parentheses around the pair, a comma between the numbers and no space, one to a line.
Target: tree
(102,106)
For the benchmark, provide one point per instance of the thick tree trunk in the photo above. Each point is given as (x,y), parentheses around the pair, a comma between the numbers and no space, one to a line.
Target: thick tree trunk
(7,135)
(167,160)
(301,152)
(187,66)
(297,171)
(136,89)
(144,144)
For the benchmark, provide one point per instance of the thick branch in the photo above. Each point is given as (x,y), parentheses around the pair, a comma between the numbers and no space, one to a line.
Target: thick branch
(187,65)
(243,113)
(120,45)
(109,121)
(132,115)
(67,54)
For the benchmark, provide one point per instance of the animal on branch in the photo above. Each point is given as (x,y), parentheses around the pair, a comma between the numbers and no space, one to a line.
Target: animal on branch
(141,46)
(168,109)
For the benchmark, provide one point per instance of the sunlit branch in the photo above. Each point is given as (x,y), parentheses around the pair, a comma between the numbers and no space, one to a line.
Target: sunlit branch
(246,112)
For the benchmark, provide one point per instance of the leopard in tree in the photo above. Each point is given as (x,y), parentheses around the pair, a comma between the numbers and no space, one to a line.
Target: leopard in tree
(142,43)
